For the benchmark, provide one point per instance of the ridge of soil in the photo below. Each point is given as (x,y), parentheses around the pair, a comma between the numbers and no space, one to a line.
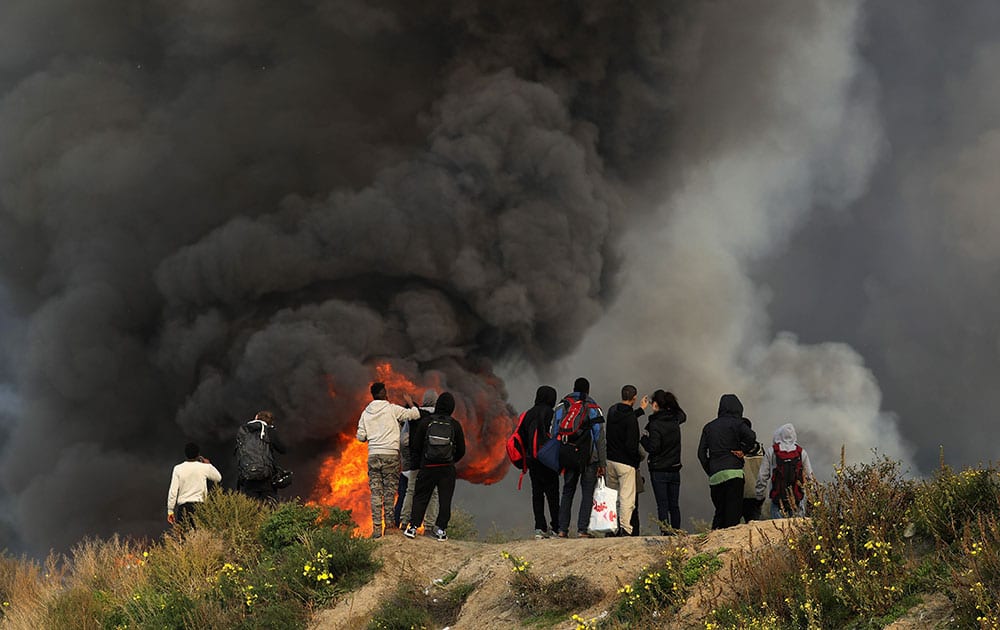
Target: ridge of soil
(609,563)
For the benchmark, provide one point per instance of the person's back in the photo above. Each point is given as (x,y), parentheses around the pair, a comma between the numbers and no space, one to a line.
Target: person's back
(437,443)
(256,443)
(784,469)
(720,452)
(663,445)
(584,453)
(189,484)
(535,431)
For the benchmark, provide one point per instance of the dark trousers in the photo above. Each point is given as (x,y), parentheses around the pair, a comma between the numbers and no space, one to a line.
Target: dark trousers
(587,478)
(667,490)
(727,497)
(440,477)
(183,513)
(397,509)
(751,509)
(635,516)
(257,489)
(544,487)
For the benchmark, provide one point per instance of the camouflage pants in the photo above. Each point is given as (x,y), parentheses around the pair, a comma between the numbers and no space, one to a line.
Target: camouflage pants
(383,477)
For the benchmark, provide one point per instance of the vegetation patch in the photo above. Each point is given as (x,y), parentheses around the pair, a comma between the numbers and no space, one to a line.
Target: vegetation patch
(416,608)
(548,601)
(244,565)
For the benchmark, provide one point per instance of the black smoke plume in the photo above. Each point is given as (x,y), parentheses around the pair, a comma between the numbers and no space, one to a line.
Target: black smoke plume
(209,209)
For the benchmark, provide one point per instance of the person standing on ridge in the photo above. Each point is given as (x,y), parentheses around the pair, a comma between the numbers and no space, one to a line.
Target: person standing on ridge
(189,485)
(256,443)
(379,426)
(426,410)
(662,442)
(436,445)
(720,451)
(544,481)
(787,467)
(578,422)
(623,452)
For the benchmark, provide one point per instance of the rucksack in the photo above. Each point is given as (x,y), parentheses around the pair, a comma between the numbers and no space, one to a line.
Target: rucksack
(254,456)
(786,479)
(573,432)
(517,452)
(439,441)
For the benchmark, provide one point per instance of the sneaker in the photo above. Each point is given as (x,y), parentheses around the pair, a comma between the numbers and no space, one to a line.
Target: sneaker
(539,534)
(584,535)
(410,531)
(440,535)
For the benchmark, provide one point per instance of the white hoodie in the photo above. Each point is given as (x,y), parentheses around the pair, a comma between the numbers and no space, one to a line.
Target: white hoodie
(379,426)
(786,441)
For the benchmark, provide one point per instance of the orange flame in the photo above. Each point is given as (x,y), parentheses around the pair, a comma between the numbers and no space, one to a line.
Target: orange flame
(343,476)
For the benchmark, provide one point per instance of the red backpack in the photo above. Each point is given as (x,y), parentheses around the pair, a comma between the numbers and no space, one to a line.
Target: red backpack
(517,452)
(786,479)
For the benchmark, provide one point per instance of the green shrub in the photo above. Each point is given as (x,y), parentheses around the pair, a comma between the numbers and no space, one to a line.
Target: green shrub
(289,522)
(949,501)
(437,606)
(548,598)
(462,525)
(236,518)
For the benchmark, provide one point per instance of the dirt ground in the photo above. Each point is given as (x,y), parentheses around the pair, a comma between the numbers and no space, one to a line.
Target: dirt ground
(608,562)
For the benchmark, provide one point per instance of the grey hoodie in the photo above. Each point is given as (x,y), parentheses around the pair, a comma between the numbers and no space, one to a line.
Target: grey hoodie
(379,426)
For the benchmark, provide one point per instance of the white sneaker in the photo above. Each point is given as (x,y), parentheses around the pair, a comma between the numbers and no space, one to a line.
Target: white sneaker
(410,531)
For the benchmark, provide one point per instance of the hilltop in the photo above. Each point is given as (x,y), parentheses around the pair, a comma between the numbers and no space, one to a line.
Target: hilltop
(610,563)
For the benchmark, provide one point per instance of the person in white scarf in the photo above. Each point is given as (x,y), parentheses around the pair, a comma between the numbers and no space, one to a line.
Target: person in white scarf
(784,441)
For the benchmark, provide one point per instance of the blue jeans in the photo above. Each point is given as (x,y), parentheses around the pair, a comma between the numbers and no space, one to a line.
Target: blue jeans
(667,491)
(588,480)
(776,510)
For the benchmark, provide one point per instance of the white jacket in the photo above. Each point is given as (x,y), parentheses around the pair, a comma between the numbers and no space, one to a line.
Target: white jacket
(379,426)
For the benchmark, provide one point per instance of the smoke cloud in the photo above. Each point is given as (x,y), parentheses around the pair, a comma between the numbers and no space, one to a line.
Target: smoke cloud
(210,209)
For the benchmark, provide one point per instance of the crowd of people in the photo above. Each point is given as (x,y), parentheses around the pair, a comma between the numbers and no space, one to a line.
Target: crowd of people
(413,451)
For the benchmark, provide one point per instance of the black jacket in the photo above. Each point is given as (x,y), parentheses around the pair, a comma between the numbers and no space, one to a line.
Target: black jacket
(663,442)
(723,435)
(418,433)
(623,434)
(538,419)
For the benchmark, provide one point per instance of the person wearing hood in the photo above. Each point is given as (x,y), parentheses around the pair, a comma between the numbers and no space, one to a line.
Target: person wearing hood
(720,452)
(379,426)
(588,463)
(544,481)
(408,488)
(785,467)
(751,468)
(437,443)
(623,452)
(663,443)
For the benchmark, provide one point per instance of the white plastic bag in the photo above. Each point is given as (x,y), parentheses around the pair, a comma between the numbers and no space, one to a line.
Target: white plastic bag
(604,514)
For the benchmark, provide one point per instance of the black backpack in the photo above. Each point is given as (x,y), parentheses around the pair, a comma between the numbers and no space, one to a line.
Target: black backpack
(254,456)
(439,441)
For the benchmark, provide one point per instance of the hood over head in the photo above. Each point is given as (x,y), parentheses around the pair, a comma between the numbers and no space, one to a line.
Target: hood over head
(445,404)
(785,437)
(730,405)
(545,396)
(430,398)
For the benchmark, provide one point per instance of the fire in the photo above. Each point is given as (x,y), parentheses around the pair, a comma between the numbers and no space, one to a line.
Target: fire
(485,419)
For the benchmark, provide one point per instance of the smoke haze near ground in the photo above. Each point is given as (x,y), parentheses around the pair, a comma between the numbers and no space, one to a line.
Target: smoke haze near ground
(208,210)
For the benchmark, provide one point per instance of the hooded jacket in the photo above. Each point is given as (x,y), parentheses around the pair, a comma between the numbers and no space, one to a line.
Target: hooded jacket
(663,440)
(786,440)
(623,434)
(418,433)
(379,426)
(723,435)
(538,419)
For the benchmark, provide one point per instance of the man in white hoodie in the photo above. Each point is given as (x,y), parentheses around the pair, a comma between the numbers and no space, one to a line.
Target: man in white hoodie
(785,467)
(379,426)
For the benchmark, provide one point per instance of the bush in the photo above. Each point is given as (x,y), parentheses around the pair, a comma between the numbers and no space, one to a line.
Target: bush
(411,607)
(462,525)
(236,518)
(287,524)
(548,598)
(946,504)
